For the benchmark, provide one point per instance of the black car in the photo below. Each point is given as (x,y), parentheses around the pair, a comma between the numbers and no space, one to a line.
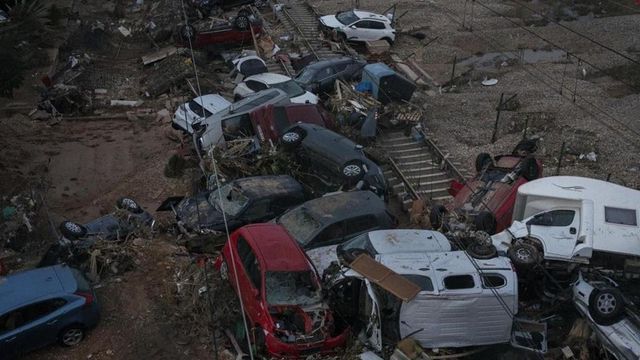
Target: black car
(321,76)
(244,201)
(335,159)
(335,218)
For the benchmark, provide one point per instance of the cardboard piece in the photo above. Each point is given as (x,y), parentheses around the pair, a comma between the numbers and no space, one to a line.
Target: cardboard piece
(384,277)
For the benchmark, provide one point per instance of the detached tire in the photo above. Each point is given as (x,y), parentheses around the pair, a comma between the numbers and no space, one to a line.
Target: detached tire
(436,216)
(606,306)
(482,251)
(483,160)
(129,204)
(485,221)
(72,230)
(524,256)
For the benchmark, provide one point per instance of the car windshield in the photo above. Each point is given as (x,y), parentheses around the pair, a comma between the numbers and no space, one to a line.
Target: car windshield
(231,199)
(198,109)
(347,17)
(306,76)
(290,87)
(359,242)
(300,224)
(292,288)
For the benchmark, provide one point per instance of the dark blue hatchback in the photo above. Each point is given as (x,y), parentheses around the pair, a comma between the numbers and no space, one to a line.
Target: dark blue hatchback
(42,306)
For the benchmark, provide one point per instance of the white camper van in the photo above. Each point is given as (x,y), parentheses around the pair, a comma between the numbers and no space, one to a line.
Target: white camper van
(572,219)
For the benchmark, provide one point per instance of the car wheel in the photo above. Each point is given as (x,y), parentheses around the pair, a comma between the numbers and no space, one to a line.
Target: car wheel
(485,221)
(242,22)
(71,336)
(388,40)
(291,139)
(129,204)
(483,160)
(524,256)
(188,32)
(436,216)
(606,306)
(224,271)
(482,251)
(529,169)
(352,171)
(72,230)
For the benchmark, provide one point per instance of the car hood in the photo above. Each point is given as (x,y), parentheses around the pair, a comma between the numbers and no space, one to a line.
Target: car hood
(297,324)
(304,98)
(197,213)
(331,21)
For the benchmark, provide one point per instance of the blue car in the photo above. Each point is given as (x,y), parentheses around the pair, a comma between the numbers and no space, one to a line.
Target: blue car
(43,306)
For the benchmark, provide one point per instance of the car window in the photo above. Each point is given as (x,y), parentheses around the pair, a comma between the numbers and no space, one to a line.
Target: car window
(325,73)
(243,248)
(249,262)
(424,282)
(280,119)
(347,17)
(492,281)
(361,223)
(376,25)
(553,218)
(330,234)
(292,288)
(458,282)
(198,109)
(620,216)
(255,102)
(256,85)
(228,198)
(29,313)
(258,210)
(237,127)
(290,87)
(364,24)
(300,224)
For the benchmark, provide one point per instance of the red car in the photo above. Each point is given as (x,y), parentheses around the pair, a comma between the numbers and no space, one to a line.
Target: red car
(223,34)
(281,293)
(487,200)
(269,122)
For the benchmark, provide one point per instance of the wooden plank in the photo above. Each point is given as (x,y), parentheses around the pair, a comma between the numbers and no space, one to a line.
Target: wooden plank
(159,55)
(386,278)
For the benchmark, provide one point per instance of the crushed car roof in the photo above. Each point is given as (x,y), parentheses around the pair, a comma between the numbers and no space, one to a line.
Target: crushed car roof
(277,249)
(268,185)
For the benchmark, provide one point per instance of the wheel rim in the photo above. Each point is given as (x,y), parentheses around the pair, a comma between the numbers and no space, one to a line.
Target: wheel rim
(606,303)
(523,255)
(352,170)
(129,204)
(72,337)
(291,137)
(74,228)
(224,271)
(243,22)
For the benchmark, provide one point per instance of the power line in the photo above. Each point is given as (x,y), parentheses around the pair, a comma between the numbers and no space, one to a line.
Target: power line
(575,32)
(633,86)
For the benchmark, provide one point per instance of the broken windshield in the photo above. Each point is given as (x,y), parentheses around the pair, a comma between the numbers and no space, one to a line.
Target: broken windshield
(300,224)
(292,288)
(233,201)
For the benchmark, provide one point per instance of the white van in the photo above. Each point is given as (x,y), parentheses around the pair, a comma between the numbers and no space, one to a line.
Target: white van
(573,219)
(457,305)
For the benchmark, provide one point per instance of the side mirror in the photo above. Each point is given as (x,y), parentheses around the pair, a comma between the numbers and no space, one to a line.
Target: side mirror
(352,26)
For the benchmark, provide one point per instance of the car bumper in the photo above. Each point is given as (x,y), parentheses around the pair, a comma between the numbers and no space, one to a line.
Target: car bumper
(278,349)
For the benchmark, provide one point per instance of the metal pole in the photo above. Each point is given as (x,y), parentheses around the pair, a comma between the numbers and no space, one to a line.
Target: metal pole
(495,125)
(560,158)
(526,126)
(453,70)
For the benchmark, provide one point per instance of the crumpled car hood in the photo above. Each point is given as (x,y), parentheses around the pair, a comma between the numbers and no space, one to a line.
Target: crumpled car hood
(196,213)
(294,323)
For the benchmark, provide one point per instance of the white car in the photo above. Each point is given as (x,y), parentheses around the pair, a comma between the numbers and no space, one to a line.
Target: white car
(265,81)
(357,25)
(197,110)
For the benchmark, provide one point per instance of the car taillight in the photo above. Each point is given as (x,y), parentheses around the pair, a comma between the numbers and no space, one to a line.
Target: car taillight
(88,297)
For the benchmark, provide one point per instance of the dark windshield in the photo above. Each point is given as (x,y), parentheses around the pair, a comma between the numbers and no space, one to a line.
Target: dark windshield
(306,76)
(300,224)
(280,119)
(196,108)
(359,242)
(347,17)
(290,87)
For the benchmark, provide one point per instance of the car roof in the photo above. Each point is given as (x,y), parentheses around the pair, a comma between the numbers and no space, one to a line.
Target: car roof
(212,101)
(341,148)
(408,240)
(268,78)
(233,108)
(28,286)
(439,265)
(277,250)
(369,15)
(344,205)
(268,185)
(332,61)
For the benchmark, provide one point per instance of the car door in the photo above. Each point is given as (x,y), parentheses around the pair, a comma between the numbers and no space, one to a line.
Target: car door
(249,278)
(557,230)
(376,30)
(362,31)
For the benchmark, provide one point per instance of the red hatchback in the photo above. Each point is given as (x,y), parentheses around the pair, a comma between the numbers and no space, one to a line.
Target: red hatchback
(281,293)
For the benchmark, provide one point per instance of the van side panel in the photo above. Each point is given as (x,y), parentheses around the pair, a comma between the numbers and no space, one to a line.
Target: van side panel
(456,321)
